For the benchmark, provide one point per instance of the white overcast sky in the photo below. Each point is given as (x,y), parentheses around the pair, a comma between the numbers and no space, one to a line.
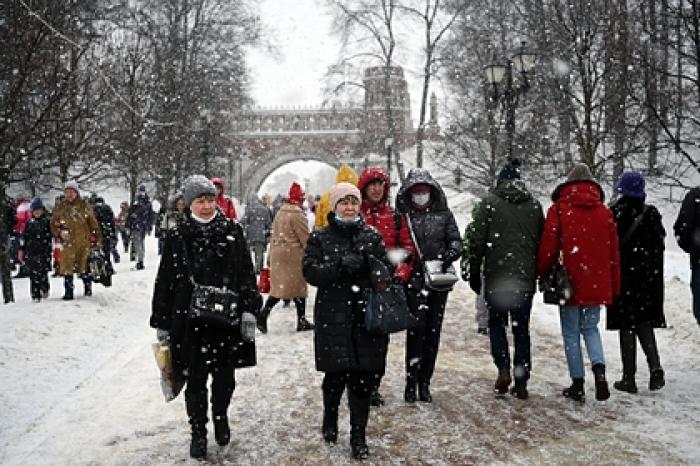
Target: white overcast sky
(302,33)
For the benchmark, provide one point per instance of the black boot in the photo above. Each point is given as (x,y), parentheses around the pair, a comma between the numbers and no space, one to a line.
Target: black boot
(657,381)
(502,381)
(87,282)
(519,389)
(330,425)
(303,324)
(375,398)
(424,392)
(139,265)
(575,391)
(627,384)
(198,444)
(262,319)
(409,393)
(358,442)
(222,431)
(602,392)
(68,285)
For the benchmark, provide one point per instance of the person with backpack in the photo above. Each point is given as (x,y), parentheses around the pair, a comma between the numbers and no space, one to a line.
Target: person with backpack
(37,250)
(140,221)
(374,186)
(436,237)
(640,307)
(505,240)
(581,230)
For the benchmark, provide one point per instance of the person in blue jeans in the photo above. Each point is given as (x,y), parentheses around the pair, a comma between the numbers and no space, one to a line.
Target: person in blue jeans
(580,231)
(687,232)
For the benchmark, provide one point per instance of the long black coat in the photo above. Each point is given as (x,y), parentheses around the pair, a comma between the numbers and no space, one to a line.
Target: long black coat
(38,244)
(341,341)
(218,256)
(687,226)
(435,228)
(641,297)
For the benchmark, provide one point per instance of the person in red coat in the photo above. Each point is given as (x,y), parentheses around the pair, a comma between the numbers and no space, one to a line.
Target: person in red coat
(374,185)
(224,202)
(583,229)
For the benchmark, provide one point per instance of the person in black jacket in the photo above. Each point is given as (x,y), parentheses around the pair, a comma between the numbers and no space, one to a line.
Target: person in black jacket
(640,307)
(38,247)
(687,232)
(336,262)
(105,217)
(214,250)
(437,236)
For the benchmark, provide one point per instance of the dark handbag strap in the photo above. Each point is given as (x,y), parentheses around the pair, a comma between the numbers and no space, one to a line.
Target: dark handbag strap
(413,237)
(634,226)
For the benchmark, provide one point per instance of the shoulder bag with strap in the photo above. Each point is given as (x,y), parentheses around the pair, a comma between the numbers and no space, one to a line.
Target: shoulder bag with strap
(556,284)
(435,278)
(634,226)
(211,305)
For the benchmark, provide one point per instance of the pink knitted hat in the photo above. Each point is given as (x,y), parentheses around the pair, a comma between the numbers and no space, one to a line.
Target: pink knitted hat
(342,190)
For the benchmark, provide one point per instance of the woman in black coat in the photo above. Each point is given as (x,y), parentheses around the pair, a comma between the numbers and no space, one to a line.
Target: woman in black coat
(213,249)
(335,261)
(436,232)
(639,308)
(38,247)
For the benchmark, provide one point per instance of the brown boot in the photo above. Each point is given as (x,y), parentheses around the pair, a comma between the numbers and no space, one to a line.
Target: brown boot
(503,381)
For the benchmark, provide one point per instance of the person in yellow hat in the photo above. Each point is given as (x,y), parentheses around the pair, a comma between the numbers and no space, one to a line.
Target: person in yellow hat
(344,174)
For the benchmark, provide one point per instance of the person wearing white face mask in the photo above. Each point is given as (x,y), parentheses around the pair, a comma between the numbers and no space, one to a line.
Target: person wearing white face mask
(437,238)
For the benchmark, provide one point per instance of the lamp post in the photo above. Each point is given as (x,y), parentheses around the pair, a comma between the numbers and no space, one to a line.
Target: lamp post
(508,91)
(206,117)
(387,145)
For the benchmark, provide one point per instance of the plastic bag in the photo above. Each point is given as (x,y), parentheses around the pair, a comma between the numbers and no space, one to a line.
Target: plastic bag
(170,384)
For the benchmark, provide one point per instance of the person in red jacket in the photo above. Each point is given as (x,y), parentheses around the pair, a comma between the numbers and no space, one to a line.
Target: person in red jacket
(374,185)
(583,230)
(224,202)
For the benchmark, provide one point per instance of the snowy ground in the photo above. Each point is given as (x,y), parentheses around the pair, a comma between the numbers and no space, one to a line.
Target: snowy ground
(80,386)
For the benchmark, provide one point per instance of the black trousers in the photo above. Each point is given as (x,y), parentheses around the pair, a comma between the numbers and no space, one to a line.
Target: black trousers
(628,349)
(300,304)
(223,383)
(359,385)
(423,341)
(38,282)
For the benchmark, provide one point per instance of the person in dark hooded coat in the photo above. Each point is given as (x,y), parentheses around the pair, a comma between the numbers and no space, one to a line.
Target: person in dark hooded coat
(336,261)
(437,236)
(640,307)
(38,246)
(505,239)
(214,250)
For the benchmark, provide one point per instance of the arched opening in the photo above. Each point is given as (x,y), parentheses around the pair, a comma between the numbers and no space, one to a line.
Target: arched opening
(314,176)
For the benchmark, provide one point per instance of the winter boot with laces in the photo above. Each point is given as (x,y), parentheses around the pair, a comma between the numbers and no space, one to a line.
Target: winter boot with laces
(626,384)
(198,445)
(657,381)
(502,381)
(575,391)
(602,392)
(222,431)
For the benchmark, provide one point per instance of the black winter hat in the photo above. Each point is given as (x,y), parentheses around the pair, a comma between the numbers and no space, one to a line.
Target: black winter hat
(510,171)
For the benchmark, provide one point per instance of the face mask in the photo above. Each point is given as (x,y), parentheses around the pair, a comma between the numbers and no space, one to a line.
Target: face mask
(342,220)
(421,199)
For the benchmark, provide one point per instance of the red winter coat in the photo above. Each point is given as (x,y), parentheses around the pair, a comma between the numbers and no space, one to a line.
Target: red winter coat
(589,237)
(227,207)
(381,217)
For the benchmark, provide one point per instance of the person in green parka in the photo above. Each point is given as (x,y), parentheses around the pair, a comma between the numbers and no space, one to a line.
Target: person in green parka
(482,312)
(505,239)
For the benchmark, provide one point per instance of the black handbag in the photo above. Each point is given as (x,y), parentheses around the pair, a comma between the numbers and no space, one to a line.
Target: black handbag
(211,305)
(556,285)
(386,308)
(434,277)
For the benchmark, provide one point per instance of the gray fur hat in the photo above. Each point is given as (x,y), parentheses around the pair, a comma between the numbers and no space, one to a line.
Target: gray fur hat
(580,172)
(196,185)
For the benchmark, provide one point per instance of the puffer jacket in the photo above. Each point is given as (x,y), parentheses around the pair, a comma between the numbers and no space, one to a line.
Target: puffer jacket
(392,226)
(37,243)
(579,224)
(434,227)
(341,341)
(218,256)
(506,237)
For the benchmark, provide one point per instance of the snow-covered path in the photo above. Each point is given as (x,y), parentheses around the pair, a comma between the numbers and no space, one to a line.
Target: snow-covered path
(79,386)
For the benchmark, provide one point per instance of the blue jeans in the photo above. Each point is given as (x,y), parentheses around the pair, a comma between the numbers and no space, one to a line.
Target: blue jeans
(695,289)
(577,321)
(517,306)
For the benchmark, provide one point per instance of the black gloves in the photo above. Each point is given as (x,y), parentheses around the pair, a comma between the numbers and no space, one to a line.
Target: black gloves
(475,279)
(352,262)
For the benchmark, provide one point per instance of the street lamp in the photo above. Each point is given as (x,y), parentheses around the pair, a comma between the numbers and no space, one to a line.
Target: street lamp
(387,145)
(508,92)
